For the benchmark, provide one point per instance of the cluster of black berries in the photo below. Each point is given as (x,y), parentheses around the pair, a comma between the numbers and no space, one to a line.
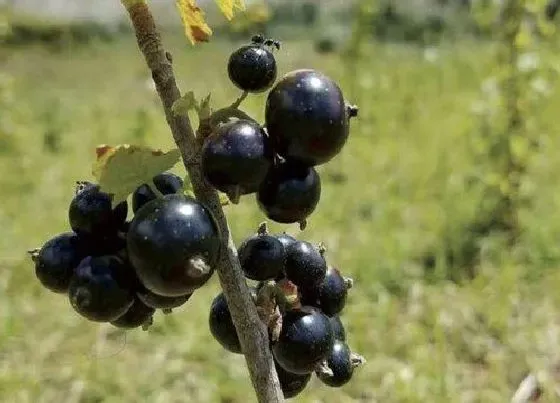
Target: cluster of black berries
(300,297)
(121,271)
(306,124)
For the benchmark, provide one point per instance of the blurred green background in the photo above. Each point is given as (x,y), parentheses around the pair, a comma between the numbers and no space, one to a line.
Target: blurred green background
(442,311)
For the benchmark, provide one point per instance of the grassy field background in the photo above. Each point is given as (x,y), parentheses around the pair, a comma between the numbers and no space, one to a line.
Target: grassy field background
(396,188)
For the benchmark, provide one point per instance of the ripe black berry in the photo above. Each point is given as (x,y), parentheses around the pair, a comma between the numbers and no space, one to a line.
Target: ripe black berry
(236,158)
(291,384)
(289,193)
(305,265)
(252,68)
(91,213)
(285,239)
(173,243)
(56,261)
(166,183)
(262,257)
(338,328)
(306,339)
(159,301)
(100,289)
(221,325)
(306,117)
(137,315)
(330,295)
(340,362)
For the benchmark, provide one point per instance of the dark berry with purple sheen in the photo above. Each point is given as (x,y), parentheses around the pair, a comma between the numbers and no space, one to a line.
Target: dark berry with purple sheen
(252,68)
(166,182)
(173,243)
(330,295)
(306,117)
(237,157)
(305,341)
(221,325)
(305,265)
(291,384)
(285,239)
(159,301)
(100,289)
(340,362)
(91,213)
(289,193)
(138,314)
(57,259)
(262,257)
(338,328)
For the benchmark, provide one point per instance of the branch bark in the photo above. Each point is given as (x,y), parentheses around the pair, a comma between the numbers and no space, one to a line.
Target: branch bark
(253,334)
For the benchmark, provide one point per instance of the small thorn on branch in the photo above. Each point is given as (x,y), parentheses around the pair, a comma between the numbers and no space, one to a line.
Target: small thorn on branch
(357,360)
(197,267)
(323,369)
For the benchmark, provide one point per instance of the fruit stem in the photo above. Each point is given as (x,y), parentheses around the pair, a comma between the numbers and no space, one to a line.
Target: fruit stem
(239,100)
(323,369)
(303,225)
(349,282)
(34,253)
(234,194)
(357,360)
(262,229)
(197,267)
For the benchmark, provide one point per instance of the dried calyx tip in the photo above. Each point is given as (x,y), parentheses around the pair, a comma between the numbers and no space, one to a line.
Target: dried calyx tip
(352,110)
(323,369)
(357,360)
(302,225)
(234,194)
(262,228)
(322,248)
(348,282)
(34,253)
(197,267)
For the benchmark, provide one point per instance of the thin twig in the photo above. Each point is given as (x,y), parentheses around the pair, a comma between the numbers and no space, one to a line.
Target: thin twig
(252,332)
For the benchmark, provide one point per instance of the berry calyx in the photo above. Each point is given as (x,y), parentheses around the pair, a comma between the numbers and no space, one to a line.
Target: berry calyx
(173,243)
(341,362)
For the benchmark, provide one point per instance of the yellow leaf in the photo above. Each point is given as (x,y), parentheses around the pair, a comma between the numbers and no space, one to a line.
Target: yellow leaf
(121,169)
(228,7)
(192,16)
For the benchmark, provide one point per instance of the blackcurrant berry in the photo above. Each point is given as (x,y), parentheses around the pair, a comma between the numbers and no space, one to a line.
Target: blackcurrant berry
(306,117)
(291,384)
(91,213)
(305,265)
(285,239)
(330,295)
(237,157)
(340,362)
(338,328)
(100,289)
(166,183)
(289,193)
(173,243)
(305,341)
(137,315)
(56,261)
(161,302)
(262,257)
(252,68)
(221,325)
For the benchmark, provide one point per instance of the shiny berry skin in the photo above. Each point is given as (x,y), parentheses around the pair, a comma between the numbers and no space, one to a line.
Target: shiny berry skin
(252,68)
(137,315)
(291,384)
(221,325)
(161,302)
(289,193)
(306,339)
(285,239)
(166,182)
(56,261)
(338,328)
(100,289)
(305,265)
(91,213)
(330,295)
(237,157)
(340,362)
(173,243)
(262,257)
(306,117)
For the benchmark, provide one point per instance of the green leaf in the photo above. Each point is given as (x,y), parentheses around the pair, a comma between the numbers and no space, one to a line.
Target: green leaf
(121,169)
(183,105)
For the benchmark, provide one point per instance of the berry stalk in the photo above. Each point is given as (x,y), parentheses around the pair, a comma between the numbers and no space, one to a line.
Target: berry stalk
(252,333)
